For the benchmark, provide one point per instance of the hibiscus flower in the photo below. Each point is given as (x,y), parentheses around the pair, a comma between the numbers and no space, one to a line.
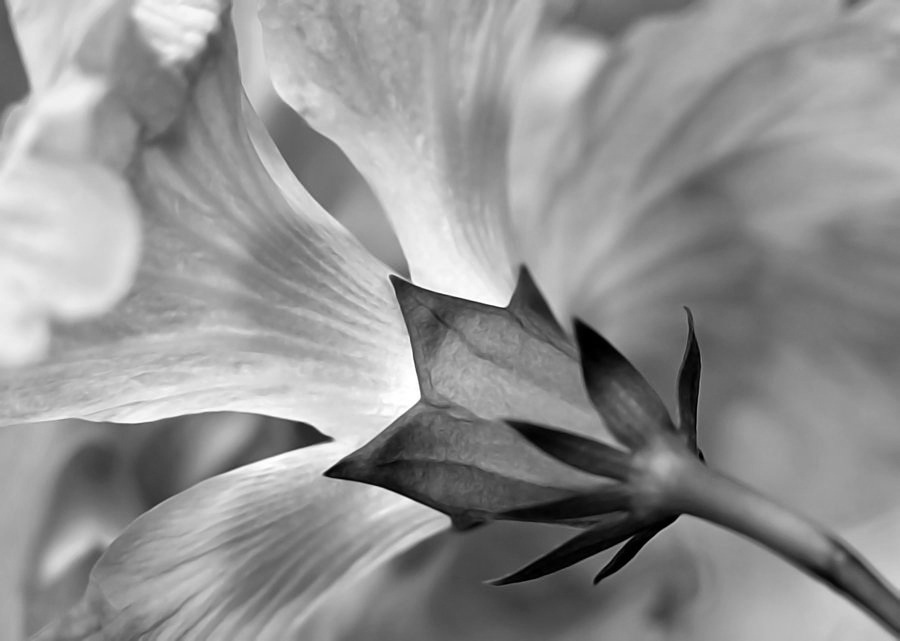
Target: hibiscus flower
(736,157)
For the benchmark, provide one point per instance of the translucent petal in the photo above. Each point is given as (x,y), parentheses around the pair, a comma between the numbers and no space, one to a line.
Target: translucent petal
(246,555)
(57,264)
(247,297)
(69,231)
(416,94)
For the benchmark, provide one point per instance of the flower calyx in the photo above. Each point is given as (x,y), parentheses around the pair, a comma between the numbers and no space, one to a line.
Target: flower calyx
(638,502)
(476,364)
(457,451)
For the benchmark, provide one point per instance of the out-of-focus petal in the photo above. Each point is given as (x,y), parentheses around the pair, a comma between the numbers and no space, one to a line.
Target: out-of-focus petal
(612,17)
(415,93)
(655,76)
(62,501)
(561,66)
(49,32)
(69,219)
(247,555)
(158,41)
(69,230)
(248,297)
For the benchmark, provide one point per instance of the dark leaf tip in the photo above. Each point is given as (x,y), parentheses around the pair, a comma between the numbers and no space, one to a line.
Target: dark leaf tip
(631,409)
(347,469)
(576,451)
(689,383)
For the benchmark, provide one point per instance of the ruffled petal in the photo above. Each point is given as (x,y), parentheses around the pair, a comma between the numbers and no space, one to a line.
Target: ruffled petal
(416,94)
(247,555)
(248,297)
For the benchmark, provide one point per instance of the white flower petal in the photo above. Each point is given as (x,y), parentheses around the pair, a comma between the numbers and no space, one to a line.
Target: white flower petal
(69,231)
(247,555)
(415,93)
(247,298)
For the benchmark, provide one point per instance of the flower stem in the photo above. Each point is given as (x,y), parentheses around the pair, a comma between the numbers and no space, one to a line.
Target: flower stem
(702,492)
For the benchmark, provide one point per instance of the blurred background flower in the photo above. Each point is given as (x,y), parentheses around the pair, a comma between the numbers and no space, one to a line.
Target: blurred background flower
(814,426)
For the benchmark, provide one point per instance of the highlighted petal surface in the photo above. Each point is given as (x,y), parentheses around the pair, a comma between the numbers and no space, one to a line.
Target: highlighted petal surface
(246,555)
(415,93)
(247,297)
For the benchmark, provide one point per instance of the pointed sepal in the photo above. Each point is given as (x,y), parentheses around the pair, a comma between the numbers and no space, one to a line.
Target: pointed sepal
(496,361)
(632,546)
(631,409)
(615,529)
(468,468)
(689,385)
(529,306)
(577,451)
